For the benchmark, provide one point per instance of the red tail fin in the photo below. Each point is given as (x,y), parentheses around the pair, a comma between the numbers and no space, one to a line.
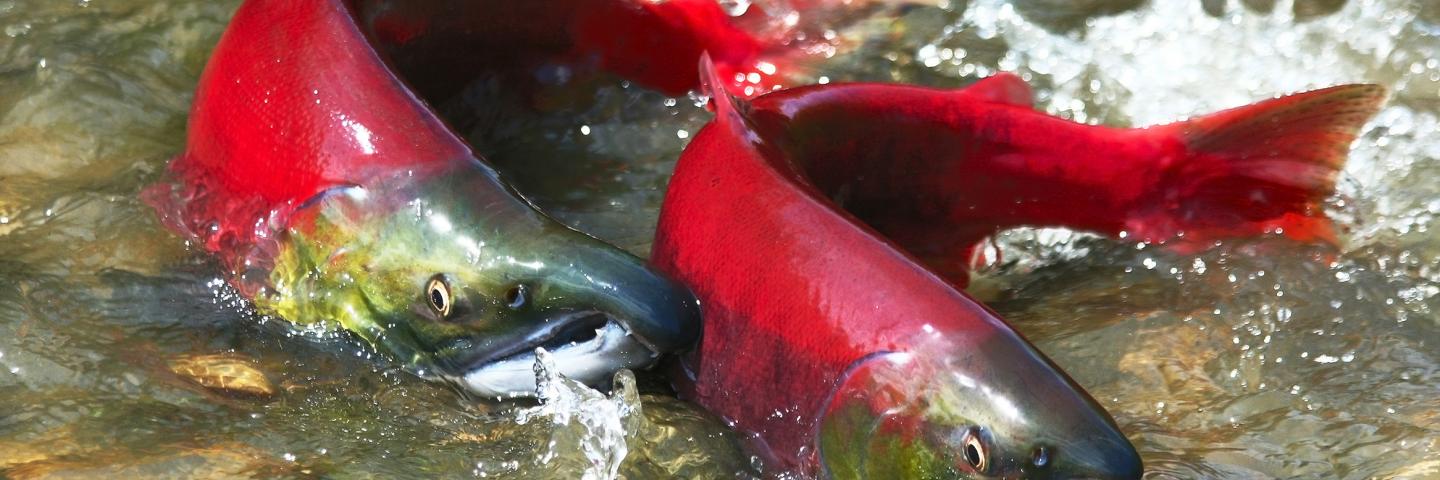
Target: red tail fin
(1260,168)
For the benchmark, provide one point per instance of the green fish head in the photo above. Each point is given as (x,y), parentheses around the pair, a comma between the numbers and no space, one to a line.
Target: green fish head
(460,278)
(950,413)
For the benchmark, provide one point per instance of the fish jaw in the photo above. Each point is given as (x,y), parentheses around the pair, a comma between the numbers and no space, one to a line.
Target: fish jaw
(592,362)
(367,259)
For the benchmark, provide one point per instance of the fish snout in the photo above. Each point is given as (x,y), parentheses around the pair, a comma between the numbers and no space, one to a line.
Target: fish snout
(1061,431)
(655,309)
(1101,456)
(957,413)
(597,310)
(1106,456)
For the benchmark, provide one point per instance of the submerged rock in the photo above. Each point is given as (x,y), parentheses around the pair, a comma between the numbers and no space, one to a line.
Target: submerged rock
(226,374)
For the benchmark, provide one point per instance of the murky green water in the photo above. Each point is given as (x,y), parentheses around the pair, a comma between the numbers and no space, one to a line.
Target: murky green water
(1257,359)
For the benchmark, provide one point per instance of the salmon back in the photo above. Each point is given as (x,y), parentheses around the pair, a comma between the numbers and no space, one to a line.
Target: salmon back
(285,113)
(301,97)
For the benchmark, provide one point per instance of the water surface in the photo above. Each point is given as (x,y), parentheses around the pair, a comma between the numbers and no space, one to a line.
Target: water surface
(1256,359)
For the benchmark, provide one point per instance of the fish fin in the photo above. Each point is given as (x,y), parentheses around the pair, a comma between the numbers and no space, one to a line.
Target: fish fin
(1003,87)
(1314,127)
(1260,168)
(722,102)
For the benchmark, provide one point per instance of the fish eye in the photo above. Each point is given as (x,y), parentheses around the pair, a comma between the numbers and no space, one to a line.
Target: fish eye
(437,292)
(975,451)
(517,296)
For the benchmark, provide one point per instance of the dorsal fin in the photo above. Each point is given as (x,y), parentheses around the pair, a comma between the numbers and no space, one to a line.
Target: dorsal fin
(721,101)
(1003,87)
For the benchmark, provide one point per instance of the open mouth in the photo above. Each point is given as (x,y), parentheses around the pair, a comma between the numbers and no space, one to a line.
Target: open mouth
(590,349)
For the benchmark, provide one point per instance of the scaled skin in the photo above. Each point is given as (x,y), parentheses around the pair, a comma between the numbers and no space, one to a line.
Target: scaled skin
(798,217)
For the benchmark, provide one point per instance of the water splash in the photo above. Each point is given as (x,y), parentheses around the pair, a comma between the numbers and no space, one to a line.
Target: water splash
(585,424)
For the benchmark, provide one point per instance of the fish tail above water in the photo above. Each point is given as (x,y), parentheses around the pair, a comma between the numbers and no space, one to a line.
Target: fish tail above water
(937,171)
(1261,168)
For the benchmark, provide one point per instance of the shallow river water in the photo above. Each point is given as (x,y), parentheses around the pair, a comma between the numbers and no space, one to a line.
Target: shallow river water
(1255,359)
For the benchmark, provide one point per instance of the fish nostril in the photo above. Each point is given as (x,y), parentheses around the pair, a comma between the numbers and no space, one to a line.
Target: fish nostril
(517,297)
(1040,457)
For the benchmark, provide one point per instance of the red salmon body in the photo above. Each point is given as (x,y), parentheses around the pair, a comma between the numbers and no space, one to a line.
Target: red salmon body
(301,97)
(798,218)
(274,125)
(333,194)
(938,171)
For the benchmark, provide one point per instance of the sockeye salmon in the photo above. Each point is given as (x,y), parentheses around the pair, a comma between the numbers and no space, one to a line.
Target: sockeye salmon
(331,192)
(802,219)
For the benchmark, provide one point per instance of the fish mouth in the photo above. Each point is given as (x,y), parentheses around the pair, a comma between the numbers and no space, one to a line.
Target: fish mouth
(586,346)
